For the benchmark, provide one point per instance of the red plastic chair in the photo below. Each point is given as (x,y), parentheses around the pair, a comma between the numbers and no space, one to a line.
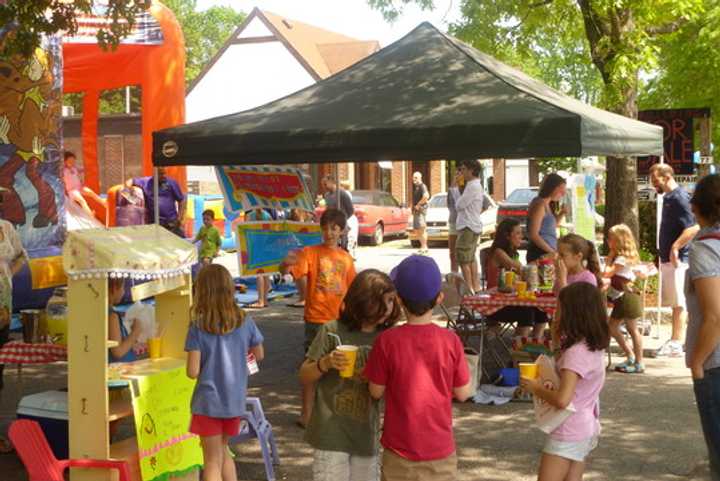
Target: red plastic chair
(39,460)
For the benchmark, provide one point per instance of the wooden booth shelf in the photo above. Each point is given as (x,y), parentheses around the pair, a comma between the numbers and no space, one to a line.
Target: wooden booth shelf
(90,407)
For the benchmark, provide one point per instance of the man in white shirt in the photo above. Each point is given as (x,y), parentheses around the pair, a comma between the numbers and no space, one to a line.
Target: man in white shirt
(469,223)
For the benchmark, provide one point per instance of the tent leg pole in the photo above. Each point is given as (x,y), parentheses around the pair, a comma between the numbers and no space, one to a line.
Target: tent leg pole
(156,201)
(658,219)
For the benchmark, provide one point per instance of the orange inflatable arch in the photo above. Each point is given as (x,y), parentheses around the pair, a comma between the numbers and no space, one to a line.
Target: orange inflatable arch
(158,69)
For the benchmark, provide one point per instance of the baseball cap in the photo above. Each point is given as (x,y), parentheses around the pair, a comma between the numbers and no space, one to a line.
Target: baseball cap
(417,279)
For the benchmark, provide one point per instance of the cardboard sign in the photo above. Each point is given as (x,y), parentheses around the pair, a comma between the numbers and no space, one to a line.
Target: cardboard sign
(161,402)
(548,417)
(263,246)
(248,187)
(678,138)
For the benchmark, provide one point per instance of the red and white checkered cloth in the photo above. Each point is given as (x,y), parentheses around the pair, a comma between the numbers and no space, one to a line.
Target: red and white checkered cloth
(491,301)
(16,352)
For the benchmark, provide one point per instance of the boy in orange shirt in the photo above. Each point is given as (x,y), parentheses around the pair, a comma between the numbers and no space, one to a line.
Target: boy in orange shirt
(328,271)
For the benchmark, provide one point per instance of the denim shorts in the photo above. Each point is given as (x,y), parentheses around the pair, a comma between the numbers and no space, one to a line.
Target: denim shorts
(572,450)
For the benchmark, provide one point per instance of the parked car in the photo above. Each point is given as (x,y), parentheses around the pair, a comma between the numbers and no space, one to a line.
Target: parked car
(437,219)
(516,205)
(379,215)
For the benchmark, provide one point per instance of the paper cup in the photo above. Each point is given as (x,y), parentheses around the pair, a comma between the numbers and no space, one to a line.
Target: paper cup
(155,347)
(528,370)
(350,353)
(521,288)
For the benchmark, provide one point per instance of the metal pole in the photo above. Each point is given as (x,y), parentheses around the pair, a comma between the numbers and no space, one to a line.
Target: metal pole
(658,221)
(156,190)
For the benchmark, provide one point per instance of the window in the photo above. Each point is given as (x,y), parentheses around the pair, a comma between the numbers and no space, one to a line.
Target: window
(522,196)
(438,201)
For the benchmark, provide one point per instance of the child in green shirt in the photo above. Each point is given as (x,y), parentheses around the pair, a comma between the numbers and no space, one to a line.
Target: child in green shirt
(210,237)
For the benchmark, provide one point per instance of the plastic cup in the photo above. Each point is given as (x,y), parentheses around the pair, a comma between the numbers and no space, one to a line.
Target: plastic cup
(528,370)
(509,278)
(155,347)
(350,353)
(521,288)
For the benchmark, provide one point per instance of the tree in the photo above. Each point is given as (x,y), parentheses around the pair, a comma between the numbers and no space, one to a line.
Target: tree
(31,19)
(619,38)
(688,74)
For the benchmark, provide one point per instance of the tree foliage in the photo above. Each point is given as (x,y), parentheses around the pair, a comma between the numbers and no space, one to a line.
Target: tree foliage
(31,19)
(592,49)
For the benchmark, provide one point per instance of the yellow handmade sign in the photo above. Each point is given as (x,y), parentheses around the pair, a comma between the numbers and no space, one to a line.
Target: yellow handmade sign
(161,402)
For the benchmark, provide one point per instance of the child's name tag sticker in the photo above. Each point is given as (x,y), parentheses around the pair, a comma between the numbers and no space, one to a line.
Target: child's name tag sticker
(252,364)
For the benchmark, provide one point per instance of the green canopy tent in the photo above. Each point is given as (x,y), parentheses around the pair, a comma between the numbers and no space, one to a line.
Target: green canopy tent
(426,96)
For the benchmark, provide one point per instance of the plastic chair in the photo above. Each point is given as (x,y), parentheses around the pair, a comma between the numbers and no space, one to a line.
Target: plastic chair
(41,464)
(256,426)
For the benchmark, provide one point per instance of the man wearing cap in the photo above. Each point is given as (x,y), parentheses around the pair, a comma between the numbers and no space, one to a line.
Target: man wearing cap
(418,368)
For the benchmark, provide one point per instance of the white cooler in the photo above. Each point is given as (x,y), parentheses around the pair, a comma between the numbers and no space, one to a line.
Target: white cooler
(50,410)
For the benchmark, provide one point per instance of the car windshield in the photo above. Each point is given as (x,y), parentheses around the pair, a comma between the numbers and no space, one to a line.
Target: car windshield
(439,201)
(362,198)
(521,196)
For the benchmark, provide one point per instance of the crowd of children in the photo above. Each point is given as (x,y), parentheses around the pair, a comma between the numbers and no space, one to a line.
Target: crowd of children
(417,368)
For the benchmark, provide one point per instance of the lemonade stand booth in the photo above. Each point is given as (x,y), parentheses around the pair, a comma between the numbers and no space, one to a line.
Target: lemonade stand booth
(159,391)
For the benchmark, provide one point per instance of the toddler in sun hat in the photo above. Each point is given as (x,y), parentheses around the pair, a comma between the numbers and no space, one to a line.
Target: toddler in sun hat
(418,367)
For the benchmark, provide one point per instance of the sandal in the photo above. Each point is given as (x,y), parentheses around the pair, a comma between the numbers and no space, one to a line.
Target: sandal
(623,365)
(636,368)
(256,305)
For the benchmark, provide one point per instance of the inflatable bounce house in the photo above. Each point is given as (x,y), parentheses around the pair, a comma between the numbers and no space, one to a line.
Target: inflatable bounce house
(31,145)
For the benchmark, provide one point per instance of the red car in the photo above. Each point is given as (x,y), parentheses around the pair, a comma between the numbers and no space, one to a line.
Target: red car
(378,214)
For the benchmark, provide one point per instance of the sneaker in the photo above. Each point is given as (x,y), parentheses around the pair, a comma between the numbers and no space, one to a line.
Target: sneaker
(670,349)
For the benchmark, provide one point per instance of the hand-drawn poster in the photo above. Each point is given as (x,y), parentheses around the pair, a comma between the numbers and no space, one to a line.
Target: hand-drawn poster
(248,187)
(31,191)
(262,246)
(161,402)
(583,212)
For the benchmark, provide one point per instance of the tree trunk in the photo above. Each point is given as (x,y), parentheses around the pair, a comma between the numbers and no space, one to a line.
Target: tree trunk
(621,180)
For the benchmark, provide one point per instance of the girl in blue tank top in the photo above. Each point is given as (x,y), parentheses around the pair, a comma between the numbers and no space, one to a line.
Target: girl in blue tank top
(541,222)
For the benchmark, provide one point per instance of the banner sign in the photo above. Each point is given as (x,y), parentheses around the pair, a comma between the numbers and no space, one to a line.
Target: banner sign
(582,189)
(161,402)
(678,138)
(262,246)
(248,187)
(145,30)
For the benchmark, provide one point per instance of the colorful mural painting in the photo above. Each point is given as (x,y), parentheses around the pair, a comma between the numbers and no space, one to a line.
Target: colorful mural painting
(262,246)
(31,189)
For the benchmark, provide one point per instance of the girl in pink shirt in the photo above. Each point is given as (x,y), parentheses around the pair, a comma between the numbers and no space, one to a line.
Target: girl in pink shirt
(581,329)
(577,261)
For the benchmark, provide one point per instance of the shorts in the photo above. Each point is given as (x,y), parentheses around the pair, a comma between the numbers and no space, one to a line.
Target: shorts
(572,450)
(466,246)
(397,468)
(340,466)
(311,330)
(627,306)
(419,220)
(673,284)
(205,426)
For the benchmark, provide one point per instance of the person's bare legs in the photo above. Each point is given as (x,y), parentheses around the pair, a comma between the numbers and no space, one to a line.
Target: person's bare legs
(553,468)
(679,317)
(619,337)
(308,400)
(452,239)
(229,473)
(213,457)
(467,273)
(539,330)
(80,200)
(475,276)
(576,471)
(262,283)
(637,339)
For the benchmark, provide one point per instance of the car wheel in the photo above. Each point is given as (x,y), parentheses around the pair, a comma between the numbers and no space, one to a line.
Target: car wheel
(378,236)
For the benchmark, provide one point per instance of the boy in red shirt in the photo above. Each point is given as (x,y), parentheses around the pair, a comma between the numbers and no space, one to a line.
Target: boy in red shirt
(418,367)
(328,271)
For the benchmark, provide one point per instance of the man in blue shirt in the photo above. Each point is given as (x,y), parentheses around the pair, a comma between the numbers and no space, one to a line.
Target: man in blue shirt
(171,201)
(677,229)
